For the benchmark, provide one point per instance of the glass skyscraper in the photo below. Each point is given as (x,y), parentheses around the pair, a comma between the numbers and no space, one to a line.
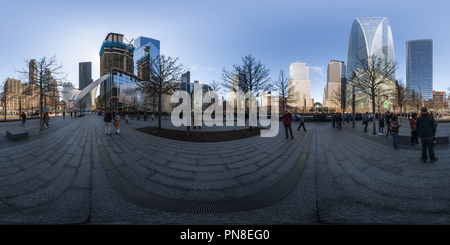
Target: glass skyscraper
(419,67)
(370,36)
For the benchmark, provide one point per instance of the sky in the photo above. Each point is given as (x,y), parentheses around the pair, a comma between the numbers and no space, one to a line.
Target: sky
(209,35)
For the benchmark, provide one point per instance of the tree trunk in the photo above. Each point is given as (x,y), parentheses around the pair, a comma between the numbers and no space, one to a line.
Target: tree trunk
(159,112)
(373,112)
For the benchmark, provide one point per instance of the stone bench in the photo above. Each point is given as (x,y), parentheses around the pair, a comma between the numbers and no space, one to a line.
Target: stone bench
(440,136)
(16,135)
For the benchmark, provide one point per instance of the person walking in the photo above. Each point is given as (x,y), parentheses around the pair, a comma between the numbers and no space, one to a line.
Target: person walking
(126,118)
(71,114)
(287,117)
(381,124)
(46,119)
(388,123)
(394,130)
(64,114)
(24,118)
(426,128)
(365,120)
(302,123)
(414,133)
(117,123)
(107,120)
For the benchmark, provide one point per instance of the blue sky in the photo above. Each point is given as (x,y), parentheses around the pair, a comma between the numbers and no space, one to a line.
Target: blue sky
(210,35)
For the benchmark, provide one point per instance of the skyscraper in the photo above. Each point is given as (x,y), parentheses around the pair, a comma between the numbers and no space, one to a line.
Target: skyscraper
(301,92)
(146,49)
(336,78)
(85,74)
(419,67)
(370,36)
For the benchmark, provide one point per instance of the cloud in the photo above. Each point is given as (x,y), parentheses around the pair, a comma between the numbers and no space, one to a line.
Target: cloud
(208,69)
(320,81)
(318,69)
(194,68)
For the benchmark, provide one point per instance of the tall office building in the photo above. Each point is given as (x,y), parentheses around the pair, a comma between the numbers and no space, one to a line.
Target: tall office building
(32,72)
(146,49)
(300,86)
(85,74)
(419,67)
(115,56)
(370,36)
(336,78)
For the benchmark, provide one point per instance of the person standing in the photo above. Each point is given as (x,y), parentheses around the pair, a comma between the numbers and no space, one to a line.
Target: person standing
(64,114)
(24,118)
(365,120)
(302,124)
(435,123)
(426,128)
(117,123)
(126,118)
(381,124)
(71,114)
(414,134)
(107,120)
(333,120)
(394,130)
(287,117)
(46,119)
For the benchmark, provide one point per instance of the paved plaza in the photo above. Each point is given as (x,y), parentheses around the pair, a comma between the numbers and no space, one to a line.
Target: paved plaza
(73,173)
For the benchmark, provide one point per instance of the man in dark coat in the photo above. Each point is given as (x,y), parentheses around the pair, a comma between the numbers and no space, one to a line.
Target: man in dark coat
(426,129)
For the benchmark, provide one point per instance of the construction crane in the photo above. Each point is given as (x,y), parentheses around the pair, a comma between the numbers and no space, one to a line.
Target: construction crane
(125,53)
(423,105)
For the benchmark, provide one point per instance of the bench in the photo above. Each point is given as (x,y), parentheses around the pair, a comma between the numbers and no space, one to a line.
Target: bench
(16,135)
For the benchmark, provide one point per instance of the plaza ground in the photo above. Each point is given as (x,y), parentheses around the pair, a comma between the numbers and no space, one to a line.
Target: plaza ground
(73,173)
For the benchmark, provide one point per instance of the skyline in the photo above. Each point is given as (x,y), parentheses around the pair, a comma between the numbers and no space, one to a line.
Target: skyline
(209,36)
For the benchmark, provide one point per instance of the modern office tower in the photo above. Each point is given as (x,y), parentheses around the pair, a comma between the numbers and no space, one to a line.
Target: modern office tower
(336,78)
(300,87)
(32,71)
(146,49)
(439,99)
(115,55)
(85,74)
(370,36)
(419,67)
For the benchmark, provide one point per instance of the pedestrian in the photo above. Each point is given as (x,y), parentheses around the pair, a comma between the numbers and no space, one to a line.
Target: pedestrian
(394,130)
(388,123)
(435,123)
(71,114)
(338,121)
(145,116)
(333,120)
(46,119)
(365,120)
(24,118)
(287,117)
(413,126)
(126,118)
(381,124)
(302,123)
(64,114)
(426,129)
(107,120)
(117,123)
(195,118)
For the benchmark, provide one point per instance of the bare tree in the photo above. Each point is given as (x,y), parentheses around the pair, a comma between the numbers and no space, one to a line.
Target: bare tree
(373,78)
(250,77)
(416,102)
(3,96)
(342,97)
(47,70)
(403,95)
(285,87)
(163,73)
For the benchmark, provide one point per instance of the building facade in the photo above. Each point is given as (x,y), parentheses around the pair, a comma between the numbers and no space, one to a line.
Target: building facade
(370,36)
(114,54)
(439,99)
(336,79)
(300,88)
(419,67)
(85,74)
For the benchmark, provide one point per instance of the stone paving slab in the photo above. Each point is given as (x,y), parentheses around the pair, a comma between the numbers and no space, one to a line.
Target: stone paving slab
(349,177)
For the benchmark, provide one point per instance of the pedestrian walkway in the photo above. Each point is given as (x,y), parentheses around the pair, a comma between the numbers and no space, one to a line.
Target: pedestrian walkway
(73,172)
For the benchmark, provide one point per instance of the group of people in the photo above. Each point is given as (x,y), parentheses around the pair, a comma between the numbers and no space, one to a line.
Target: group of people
(423,127)
(114,119)
(287,119)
